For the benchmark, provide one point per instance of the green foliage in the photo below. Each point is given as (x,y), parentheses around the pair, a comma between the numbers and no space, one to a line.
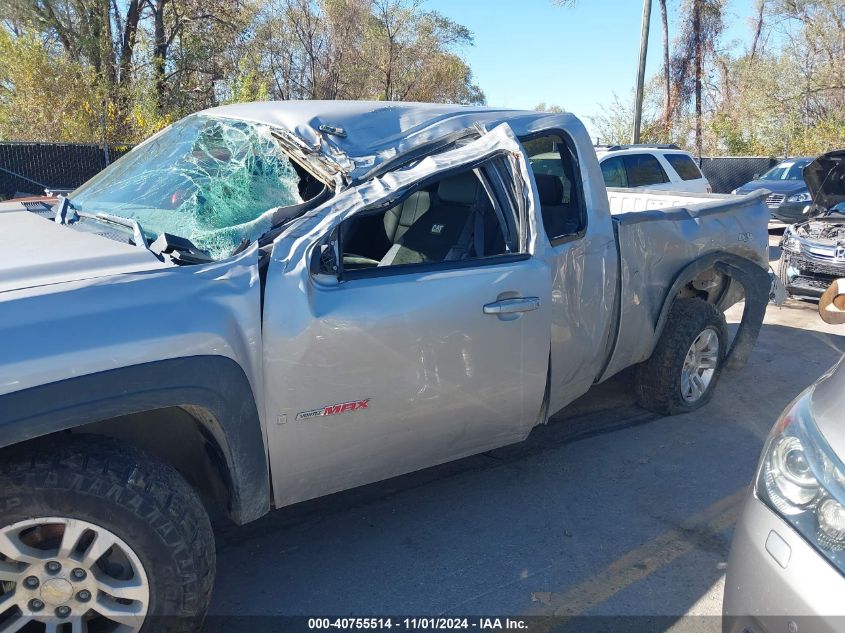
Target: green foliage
(789,100)
(360,49)
(248,85)
(46,96)
(615,123)
(99,70)
(784,95)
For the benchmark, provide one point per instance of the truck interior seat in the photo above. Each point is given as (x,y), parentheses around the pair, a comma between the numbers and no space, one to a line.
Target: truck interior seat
(448,221)
(399,219)
(445,232)
(560,217)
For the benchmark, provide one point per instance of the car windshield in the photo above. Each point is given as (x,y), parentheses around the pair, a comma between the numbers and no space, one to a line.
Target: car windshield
(211,180)
(788,170)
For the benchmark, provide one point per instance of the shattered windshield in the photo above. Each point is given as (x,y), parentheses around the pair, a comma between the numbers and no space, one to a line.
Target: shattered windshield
(211,180)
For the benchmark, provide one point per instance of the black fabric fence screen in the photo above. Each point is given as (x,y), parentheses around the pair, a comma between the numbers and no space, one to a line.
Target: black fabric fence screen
(29,168)
(726,173)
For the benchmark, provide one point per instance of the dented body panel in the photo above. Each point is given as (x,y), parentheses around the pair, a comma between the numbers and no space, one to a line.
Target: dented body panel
(355,380)
(655,247)
(441,379)
(124,342)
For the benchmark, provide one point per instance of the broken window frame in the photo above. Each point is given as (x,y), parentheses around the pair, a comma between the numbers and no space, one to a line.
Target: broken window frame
(493,171)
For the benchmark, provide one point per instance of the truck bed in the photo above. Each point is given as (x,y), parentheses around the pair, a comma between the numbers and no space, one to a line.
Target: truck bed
(656,244)
(628,200)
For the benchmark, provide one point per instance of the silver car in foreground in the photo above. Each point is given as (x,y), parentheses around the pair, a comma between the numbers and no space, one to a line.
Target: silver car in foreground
(787,566)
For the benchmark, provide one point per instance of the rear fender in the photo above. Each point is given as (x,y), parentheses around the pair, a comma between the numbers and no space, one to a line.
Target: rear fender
(755,282)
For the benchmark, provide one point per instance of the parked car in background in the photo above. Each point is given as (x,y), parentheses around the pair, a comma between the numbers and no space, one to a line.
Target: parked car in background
(665,167)
(786,570)
(789,194)
(813,251)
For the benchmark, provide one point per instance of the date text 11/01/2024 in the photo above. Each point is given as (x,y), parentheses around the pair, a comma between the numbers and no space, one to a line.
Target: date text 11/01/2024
(431,624)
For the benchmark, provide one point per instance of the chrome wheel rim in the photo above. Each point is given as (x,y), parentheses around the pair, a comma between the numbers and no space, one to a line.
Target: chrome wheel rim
(700,365)
(61,574)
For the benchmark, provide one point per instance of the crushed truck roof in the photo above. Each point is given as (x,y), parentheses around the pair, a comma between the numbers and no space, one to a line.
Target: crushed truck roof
(361,134)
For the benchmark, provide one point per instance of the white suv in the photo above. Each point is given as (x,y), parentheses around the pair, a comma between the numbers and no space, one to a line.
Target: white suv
(651,167)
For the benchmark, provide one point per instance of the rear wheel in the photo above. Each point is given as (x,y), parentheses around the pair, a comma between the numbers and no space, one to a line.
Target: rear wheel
(96,535)
(683,371)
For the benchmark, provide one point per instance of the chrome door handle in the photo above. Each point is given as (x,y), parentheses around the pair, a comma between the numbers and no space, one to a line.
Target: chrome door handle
(510,306)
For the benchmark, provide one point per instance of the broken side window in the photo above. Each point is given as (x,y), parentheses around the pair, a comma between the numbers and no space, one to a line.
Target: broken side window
(450,219)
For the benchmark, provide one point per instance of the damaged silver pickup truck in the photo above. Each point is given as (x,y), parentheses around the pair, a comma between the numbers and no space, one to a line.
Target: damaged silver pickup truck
(269,302)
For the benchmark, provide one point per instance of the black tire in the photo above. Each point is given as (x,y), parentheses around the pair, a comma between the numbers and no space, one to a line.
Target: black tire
(658,379)
(141,500)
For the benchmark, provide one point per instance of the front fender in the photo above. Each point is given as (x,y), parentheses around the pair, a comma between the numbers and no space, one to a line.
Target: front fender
(214,383)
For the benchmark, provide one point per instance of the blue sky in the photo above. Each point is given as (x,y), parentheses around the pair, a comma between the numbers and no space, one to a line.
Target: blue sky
(528,51)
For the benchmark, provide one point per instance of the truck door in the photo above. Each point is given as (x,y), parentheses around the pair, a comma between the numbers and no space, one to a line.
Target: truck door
(407,323)
(579,247)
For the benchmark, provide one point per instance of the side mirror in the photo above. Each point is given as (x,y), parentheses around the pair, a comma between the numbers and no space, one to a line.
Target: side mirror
(325,257)
(756,176)
(832,303)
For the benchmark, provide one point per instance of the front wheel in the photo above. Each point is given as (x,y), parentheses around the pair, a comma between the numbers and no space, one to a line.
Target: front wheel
(97,536)
(683,371)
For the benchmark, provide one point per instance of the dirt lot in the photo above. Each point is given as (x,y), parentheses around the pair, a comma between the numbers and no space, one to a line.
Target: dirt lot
(607,511)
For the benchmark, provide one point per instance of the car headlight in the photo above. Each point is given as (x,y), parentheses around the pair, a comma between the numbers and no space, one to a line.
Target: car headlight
(803,480)
(800,197)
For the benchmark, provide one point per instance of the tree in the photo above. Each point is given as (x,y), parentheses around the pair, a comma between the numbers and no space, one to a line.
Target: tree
(667,80)
(615,123)
(786,99)
(760,10)
(551,108)
(84,31)
(45,95)
(695,46)
(141,64)
(361,49)
(165,50)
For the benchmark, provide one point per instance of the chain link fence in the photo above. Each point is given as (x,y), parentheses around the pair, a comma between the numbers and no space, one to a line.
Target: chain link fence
(29,168)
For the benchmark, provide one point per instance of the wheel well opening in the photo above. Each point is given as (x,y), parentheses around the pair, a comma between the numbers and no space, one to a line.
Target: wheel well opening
(181,437)
(709,285)
(719,288)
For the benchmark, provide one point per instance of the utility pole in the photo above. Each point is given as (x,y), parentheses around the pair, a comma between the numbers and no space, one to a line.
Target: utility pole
(638,106)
